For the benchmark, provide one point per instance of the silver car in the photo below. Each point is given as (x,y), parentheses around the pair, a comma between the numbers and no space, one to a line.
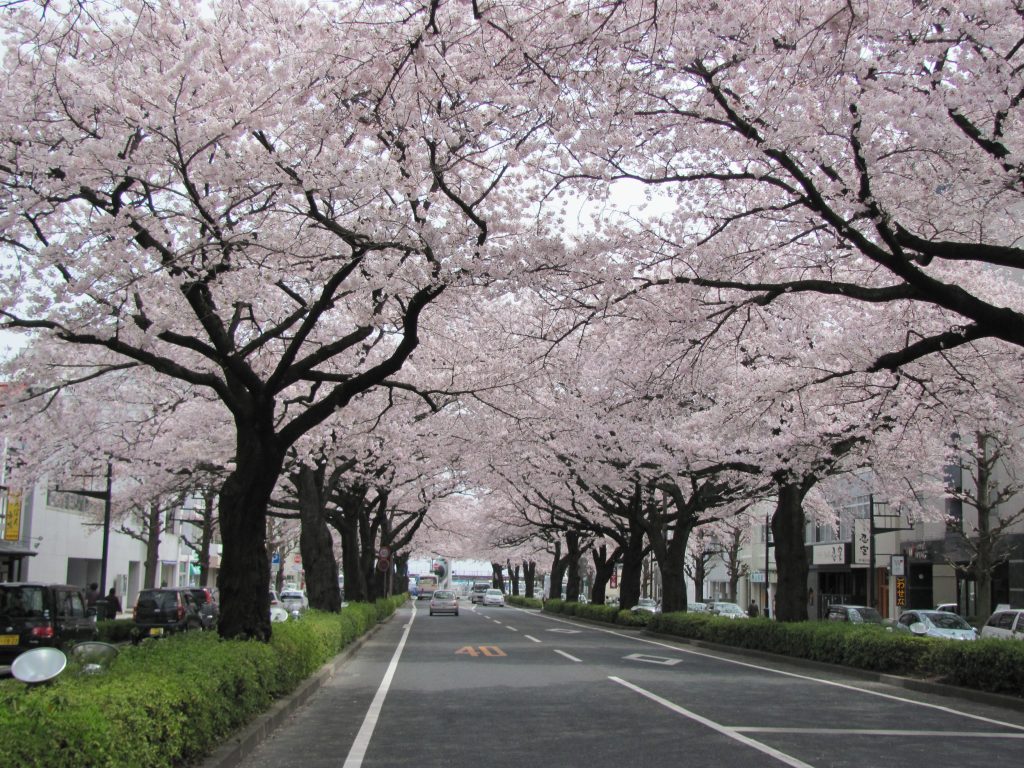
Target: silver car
(444,601)
(494,597)
(294,600)
(936,624)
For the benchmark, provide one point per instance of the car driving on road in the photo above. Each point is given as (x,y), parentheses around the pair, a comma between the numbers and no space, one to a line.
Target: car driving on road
(494,597)
(444,601)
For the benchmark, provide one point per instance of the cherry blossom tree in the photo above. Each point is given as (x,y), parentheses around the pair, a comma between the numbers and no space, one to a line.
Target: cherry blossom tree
(260,205)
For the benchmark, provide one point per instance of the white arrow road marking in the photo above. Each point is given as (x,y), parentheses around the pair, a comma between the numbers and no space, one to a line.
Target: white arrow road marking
(566,631)
(652,659)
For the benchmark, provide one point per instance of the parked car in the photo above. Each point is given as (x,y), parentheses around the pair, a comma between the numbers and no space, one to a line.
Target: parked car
(854,614)
(36,615)
(948,607)
(478,590)
(698,608)
(728,611)
(444,601)
(936,624)
(494,597)
(164,611)
(1006,623)
(646,604)
(294,600)
(209,608)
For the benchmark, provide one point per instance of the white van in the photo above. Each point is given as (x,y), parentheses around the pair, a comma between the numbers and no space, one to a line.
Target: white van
(1006,623)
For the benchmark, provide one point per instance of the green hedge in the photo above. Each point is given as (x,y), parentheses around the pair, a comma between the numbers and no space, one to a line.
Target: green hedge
(171,701)
(608,614)
(988,665)
(524,602)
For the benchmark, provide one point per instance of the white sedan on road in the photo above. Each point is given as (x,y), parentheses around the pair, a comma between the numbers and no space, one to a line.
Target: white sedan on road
(494,597)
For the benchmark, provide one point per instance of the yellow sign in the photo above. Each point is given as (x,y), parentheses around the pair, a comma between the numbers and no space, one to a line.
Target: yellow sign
(901,591)
(12,520)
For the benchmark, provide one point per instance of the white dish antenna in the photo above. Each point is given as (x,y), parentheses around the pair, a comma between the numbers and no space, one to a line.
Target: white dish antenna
(39,665)
(94,656)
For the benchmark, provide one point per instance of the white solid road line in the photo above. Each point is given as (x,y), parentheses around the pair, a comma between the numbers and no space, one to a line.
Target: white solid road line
(882,732)
(362,741)
(732,733)
(809,678)
(569,656)
(531,637)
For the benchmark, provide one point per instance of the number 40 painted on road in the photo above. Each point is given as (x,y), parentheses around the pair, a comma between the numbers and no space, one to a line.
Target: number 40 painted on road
(481,650)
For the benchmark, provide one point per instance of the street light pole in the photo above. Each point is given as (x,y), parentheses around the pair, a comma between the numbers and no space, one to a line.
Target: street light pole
(767,535)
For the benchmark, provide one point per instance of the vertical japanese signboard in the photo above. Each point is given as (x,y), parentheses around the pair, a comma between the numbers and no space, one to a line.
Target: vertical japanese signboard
(12,515)
(862,541)
(901,591)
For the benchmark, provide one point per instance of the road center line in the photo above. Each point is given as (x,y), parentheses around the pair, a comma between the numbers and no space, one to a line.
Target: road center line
(512,628)
(569,656)
(531,637)
(362,740)
(724,730)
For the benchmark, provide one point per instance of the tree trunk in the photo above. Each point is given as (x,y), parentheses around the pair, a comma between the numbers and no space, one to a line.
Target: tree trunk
(699,574)
(632,567)
(572,554)
(245,567)
(351,562)
(604,567)
(513,575)
(153,529)
(206,536)
(315,543)
(497,576)
(558,564)
(790,555)
(401,573)
(530,576)
(983,563)
(672,567)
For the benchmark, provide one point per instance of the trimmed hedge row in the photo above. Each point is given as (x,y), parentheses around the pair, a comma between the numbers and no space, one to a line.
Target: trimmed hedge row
(996,666)
(171,701)
(595,612)
(524,602)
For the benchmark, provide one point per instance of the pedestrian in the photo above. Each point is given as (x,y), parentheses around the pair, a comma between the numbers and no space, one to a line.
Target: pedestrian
(92,595)
(752,609)
(113,604)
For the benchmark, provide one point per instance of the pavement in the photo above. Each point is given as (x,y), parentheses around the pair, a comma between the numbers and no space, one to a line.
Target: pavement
(234,753)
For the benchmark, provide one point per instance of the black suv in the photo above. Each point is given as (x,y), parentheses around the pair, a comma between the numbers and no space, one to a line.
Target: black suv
(164,611)
(36,615)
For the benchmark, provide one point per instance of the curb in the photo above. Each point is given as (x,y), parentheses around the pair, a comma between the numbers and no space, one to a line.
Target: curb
(244,742)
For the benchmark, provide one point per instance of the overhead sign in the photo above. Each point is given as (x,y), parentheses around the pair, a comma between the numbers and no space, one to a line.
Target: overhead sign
(828,554)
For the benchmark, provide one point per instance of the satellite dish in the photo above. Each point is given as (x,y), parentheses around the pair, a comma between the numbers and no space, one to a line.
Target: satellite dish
(39,665)
(278,614)
(94,656)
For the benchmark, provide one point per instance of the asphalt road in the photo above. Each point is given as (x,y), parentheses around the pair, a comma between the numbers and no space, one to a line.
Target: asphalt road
(503,687)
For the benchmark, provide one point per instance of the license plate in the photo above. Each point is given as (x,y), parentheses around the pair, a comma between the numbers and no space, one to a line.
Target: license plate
(9,639)
(156,631)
